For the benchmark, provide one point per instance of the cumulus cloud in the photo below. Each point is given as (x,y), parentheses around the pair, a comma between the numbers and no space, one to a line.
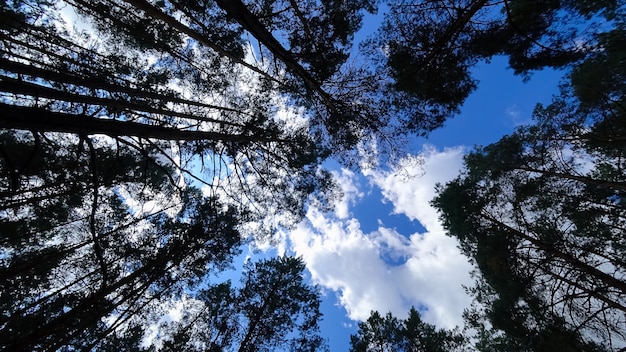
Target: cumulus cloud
(351,192)
(411,197)
(342,258)
(385,270)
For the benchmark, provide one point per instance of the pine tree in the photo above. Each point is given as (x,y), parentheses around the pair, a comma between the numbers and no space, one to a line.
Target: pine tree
(540,212)
(272,309)
(388,333)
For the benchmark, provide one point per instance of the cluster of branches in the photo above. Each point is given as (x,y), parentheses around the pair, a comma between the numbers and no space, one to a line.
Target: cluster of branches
(102,220)
(84,266)
(541,212)
(425,49)
(388,333)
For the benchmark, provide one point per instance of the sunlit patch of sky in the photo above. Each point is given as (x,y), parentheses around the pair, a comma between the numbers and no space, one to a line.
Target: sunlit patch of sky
(486,115)
(374,211)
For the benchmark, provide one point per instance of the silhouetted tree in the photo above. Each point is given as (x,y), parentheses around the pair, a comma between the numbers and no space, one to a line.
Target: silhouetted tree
(388,333)
(272,309)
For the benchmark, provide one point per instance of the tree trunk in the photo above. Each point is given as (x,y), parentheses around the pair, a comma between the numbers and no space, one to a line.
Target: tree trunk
(100,83)
(43,120)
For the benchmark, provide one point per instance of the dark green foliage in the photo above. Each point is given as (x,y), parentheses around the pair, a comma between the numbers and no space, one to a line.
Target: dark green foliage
(599,81)
(277,303)
(317,33)
(273,309)
(105,135)
(83,268)
(387,334)
(138,80)
(99,257)
(428,58)
(425,49)
(540,213)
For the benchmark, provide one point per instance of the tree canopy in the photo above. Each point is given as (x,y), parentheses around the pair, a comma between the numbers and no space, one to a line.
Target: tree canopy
(388,333)
(425,49)
(143,142)
(542,215)
(134,163)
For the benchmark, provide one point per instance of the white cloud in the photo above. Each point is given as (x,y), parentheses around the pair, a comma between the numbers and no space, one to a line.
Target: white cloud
(429,270)
(411,197)
(351,193)
(341,258)
(516,115)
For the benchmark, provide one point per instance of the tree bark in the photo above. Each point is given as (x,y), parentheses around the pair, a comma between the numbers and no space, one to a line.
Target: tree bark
(16,86)
(240,13)
(100,83)
(43,120)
